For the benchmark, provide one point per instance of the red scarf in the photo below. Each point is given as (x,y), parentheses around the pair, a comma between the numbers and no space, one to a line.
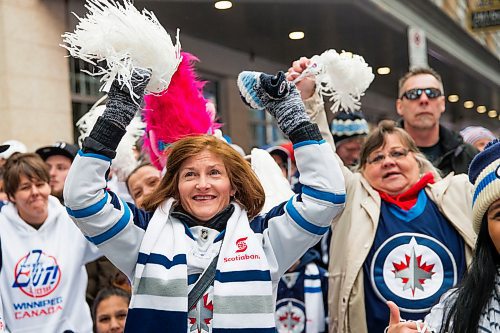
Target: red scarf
(408,199)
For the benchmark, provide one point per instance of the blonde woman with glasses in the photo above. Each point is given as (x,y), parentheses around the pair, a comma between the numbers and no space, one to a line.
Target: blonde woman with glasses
(405,234)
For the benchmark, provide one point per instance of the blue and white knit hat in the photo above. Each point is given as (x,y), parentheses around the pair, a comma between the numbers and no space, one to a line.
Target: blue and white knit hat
(484,173)
(347,125)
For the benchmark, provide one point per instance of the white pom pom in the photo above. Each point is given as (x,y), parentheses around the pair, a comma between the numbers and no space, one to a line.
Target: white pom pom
(342,77)
(124,162)
(118,38)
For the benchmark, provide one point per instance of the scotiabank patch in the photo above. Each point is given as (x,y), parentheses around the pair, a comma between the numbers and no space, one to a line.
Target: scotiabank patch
(37,274)
(241,246)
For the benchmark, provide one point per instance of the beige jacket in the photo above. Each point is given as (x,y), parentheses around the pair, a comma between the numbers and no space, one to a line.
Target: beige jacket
(354,232)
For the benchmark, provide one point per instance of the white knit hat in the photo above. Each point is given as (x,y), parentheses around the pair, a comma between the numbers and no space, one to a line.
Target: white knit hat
(484,173)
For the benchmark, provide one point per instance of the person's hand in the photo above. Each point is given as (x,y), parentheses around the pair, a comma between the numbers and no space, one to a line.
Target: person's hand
(397,326)
(276,95)
(307,85)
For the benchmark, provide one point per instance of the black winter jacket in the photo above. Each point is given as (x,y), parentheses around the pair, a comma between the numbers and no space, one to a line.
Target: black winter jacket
(457,154)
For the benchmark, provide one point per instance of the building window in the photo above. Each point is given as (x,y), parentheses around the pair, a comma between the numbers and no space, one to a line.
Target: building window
(263,128)
(211,92)
(84,90)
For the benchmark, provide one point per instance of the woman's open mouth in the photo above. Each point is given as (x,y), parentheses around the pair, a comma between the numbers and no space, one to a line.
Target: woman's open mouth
(204,197)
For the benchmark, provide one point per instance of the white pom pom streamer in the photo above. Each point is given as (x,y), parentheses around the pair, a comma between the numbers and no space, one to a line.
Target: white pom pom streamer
(124,162)
(124,39)
(342,77)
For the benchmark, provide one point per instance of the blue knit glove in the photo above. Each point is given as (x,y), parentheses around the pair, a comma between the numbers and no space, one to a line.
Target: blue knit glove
(276,95)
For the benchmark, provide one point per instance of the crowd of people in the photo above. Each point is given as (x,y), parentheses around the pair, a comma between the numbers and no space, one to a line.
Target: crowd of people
(393,227)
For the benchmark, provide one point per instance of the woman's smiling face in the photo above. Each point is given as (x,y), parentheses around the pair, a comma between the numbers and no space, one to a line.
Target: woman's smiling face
(204,185)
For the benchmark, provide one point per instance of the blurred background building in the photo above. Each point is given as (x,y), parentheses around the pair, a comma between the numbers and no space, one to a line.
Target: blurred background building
(43,93)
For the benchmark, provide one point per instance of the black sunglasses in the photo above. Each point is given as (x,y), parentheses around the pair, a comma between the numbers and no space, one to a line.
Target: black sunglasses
(414,94)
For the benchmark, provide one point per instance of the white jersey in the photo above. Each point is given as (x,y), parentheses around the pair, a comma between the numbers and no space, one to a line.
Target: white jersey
(281,237)
(42,277)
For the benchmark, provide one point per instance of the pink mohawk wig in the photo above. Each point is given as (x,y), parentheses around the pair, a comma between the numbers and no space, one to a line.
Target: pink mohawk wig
(179,111)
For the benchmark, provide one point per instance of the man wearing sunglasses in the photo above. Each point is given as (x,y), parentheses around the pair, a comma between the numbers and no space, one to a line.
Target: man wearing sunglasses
(420,103)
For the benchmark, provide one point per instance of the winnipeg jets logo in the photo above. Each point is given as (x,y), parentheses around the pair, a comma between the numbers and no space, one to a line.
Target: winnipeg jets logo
(290,316)
(241,245)
(412,270)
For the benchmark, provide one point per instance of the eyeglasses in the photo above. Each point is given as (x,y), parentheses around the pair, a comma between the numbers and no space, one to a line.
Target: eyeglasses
(414,94)
(395,154)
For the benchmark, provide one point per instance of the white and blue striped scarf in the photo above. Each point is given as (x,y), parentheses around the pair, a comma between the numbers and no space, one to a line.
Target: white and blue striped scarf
(313,299)
(243,297)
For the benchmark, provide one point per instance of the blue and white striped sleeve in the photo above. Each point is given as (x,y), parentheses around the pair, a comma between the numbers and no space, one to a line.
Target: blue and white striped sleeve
(104,220)
(307,216)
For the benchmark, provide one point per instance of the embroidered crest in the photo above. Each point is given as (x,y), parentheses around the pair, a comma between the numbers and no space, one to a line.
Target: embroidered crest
(413,270)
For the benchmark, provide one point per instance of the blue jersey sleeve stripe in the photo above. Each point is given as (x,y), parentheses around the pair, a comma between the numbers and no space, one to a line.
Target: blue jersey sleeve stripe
(324,196)
(94,155)
(90,210)
(302,222)
(115,229)
(241,276)
(307,143)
